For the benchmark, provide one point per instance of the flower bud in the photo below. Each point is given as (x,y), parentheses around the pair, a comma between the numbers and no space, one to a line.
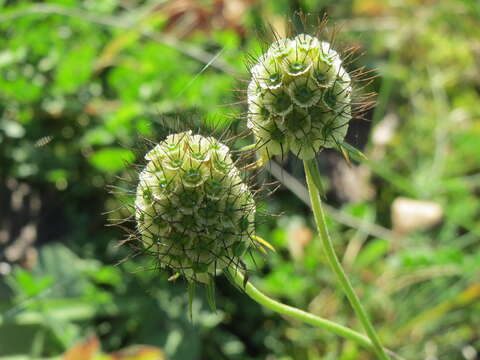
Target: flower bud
(192,209)
(299,98)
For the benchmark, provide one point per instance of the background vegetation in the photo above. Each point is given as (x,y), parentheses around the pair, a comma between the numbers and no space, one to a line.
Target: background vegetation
(83,82)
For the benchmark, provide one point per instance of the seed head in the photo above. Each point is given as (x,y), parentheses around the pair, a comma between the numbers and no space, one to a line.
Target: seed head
(193,211)
(299,98)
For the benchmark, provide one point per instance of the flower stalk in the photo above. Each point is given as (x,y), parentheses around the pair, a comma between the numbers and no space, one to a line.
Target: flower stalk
(312,172)
(238,279)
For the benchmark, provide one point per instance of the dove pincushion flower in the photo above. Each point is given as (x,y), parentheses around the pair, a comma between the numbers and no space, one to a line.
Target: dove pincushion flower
(299,98)
(193,210)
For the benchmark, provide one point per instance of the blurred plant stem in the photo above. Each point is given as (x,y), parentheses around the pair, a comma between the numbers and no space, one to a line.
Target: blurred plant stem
(313,182)
(238,279)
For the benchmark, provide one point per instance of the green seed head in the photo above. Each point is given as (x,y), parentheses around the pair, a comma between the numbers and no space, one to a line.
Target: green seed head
(299,98)
(192,209)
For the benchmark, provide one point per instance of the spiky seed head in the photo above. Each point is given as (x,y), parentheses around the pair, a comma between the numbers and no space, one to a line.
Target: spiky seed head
(193,211)
(299,98)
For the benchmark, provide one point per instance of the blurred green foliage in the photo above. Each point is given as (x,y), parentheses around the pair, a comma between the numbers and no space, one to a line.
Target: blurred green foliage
(84,82)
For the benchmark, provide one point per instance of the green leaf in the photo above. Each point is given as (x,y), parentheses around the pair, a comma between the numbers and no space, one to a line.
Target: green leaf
(372,252)
(75,68)
(29,285)
(56,175)
(98,136)
(111,160)
(107,274)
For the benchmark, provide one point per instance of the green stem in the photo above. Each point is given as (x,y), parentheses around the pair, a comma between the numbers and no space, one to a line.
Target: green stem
(237,278)
(312,172)
(298,314)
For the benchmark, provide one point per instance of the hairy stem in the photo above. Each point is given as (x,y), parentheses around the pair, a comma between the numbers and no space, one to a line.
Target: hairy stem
(313,174)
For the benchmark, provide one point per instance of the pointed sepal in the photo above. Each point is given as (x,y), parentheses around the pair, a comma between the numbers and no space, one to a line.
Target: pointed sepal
(350,152)
(211,294)
(262,244)
(191,296)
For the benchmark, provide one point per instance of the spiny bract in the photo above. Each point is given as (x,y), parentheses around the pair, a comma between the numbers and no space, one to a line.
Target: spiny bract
(193,211)
(299,98)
